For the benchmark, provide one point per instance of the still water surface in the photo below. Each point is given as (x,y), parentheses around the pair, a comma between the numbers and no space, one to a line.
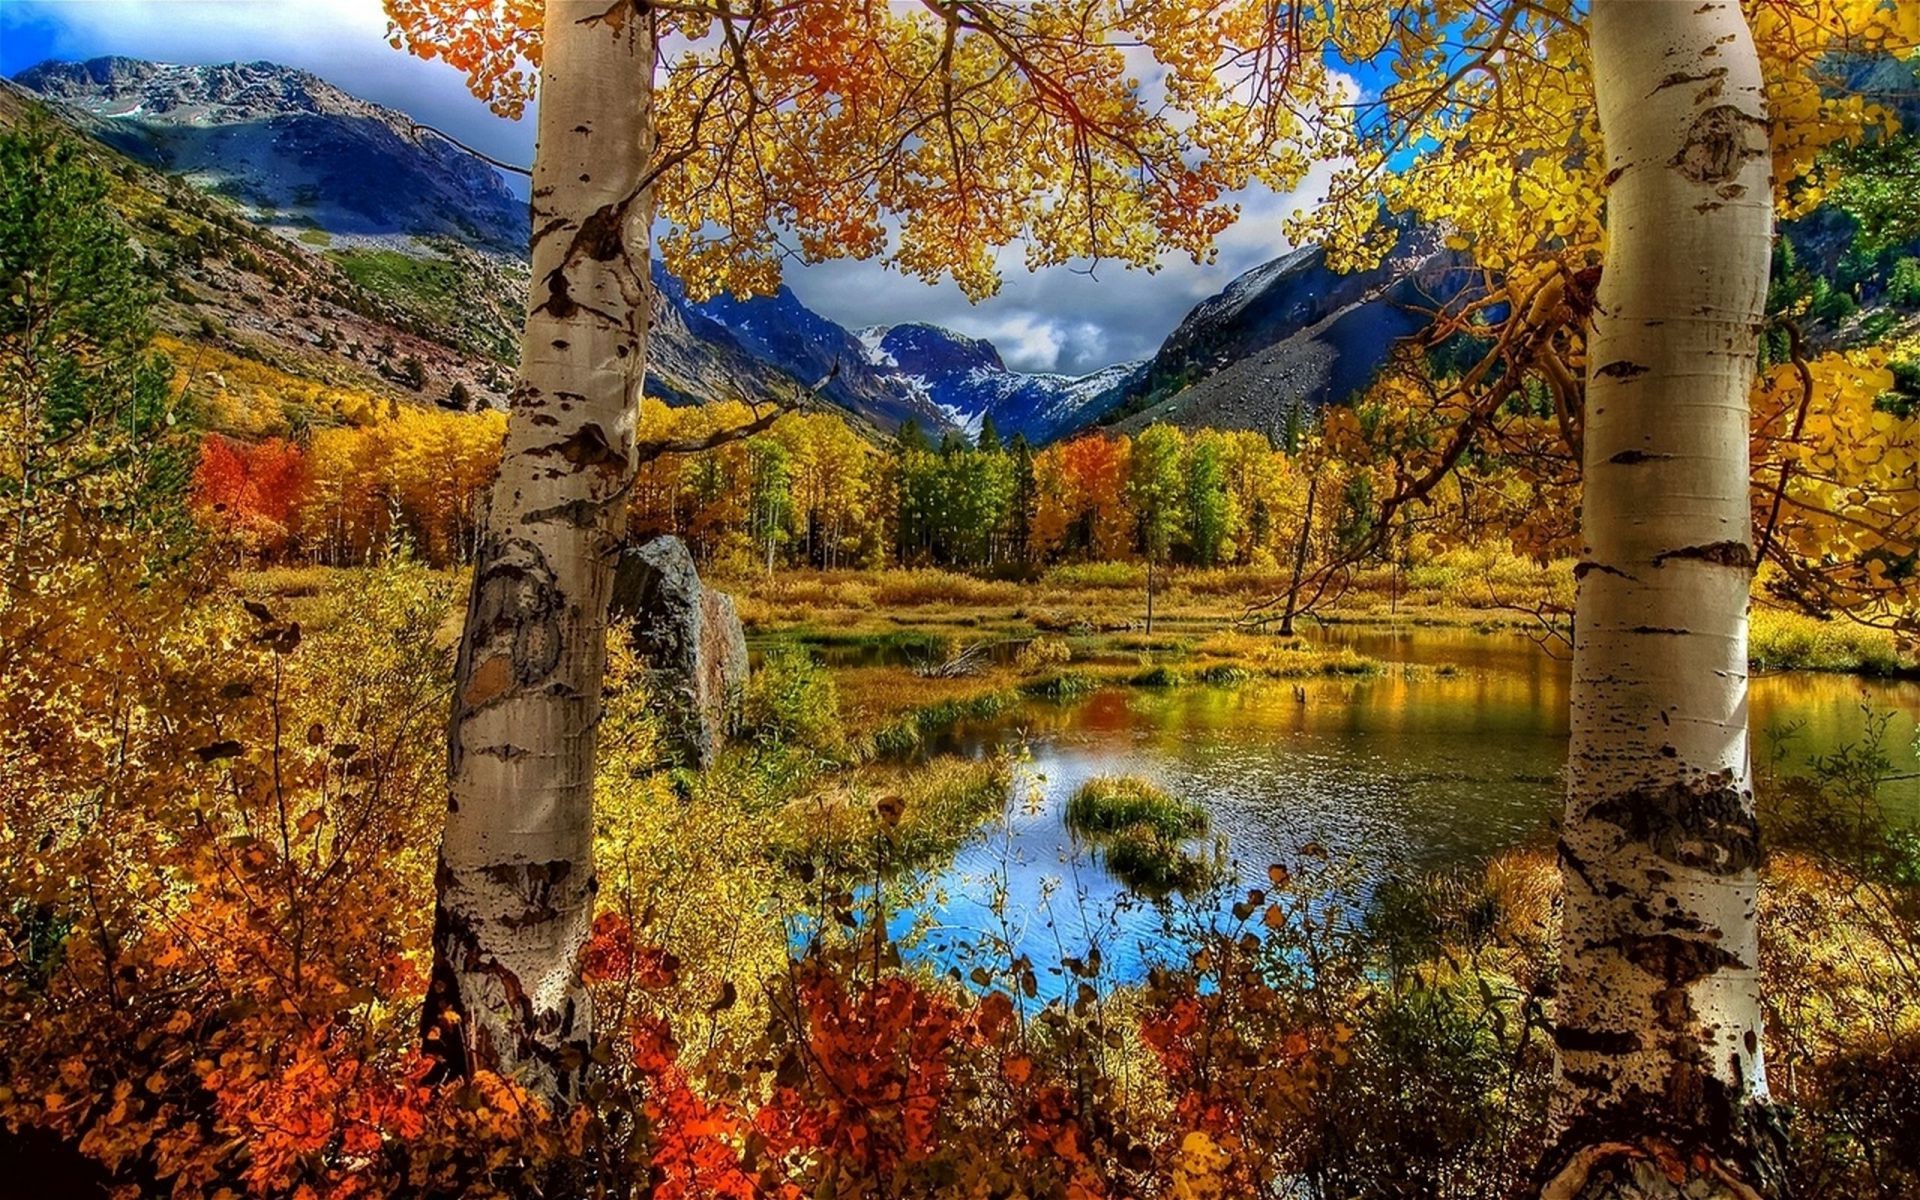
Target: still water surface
(1408,772)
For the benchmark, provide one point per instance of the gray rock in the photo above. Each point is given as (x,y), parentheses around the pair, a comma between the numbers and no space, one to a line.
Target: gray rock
(691,641)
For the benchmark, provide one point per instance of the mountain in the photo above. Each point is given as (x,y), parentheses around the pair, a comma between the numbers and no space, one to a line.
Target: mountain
(966,380)
(292,149)
(307,329)
(393,244)
(781,331)
(1291,331)
(344,244)
(432,233)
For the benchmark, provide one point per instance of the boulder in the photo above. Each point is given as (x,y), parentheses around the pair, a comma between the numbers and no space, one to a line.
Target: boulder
(690,640)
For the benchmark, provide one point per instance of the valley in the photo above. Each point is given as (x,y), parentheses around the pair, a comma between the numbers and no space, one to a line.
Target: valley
(392,245)
(739,754)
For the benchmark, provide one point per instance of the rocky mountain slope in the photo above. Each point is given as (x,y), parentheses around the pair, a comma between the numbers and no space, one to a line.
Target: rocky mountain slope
(394,247)
(781,331)
(293,150)
(1290,332)
(966,380)
(341,242)
(237,296)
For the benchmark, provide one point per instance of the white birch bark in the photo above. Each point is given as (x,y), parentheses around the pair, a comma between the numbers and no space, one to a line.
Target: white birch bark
(1659,1018)
(516,879)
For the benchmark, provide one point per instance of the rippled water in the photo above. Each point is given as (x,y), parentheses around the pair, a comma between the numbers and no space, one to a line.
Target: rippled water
(1411,771)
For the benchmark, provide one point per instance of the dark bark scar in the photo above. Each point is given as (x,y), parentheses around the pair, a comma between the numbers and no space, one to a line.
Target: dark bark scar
(1622,369)
(1720,554)
(1706,824)
(1719,143)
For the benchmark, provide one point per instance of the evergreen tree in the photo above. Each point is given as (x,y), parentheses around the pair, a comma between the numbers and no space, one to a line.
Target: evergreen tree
(988,440)
(1025,496)
(89,428)
(1293,428)
(910,437)
(910,447)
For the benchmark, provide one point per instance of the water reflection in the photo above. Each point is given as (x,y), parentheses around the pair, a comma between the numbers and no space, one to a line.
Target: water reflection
(1444,763)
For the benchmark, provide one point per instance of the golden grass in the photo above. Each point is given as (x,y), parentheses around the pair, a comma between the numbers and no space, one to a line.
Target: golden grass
(894,815)
(1463,587)
(1779,640)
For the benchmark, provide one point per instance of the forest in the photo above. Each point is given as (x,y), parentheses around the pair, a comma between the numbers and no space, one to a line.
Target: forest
(1501,781)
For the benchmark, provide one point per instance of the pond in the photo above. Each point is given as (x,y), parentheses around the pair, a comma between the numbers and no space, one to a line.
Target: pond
(1411,771)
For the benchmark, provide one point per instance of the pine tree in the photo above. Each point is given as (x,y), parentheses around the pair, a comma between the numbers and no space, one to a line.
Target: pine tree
(1025,496)
(988,440)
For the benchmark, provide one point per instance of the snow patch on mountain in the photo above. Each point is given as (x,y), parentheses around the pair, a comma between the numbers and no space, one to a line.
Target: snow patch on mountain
(870,339)
(966,381)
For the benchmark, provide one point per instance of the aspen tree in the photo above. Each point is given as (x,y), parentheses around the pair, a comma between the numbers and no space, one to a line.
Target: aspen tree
(1658,1021)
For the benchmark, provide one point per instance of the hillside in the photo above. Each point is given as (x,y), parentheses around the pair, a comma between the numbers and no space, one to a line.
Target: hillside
(235,293)
(293,150)
(343,245)
(273,253)
(1292,331)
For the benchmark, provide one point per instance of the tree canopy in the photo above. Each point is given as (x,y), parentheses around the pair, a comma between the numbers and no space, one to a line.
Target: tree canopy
(935,135)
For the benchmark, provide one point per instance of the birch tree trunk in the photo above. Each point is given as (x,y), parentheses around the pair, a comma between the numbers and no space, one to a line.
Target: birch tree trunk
(1659,1017)
(516,878)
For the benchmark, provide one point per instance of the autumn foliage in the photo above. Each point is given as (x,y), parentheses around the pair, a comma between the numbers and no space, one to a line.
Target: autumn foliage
(252,488)
(218,805)
(354,492)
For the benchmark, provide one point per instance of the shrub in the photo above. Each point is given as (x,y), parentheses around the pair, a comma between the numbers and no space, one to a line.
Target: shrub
(1831,304)
(792,700)
(1903,285)
(1041,653)
(1878,324)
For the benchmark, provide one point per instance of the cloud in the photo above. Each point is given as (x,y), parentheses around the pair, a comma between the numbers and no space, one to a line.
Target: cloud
(1065,319)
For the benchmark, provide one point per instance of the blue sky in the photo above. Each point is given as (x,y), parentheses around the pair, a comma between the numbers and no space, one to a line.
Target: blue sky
(1055,320)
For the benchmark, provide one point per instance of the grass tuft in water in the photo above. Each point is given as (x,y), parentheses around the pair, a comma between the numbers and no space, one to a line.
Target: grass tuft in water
(1067,685)
(1157,676)
(1127,803)
(1147,862)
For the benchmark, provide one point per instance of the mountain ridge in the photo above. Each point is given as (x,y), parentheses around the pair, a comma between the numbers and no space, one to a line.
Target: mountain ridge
(429,238)
(1289,333)
(290,147)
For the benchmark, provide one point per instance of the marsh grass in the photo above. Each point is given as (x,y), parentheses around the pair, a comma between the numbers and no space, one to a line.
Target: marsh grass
(1141,858)
(910,732)
(893,817)
(1160,675)
(1779,640)
(1139,831)
(1116,804)
(1457,587)
(1063,686)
